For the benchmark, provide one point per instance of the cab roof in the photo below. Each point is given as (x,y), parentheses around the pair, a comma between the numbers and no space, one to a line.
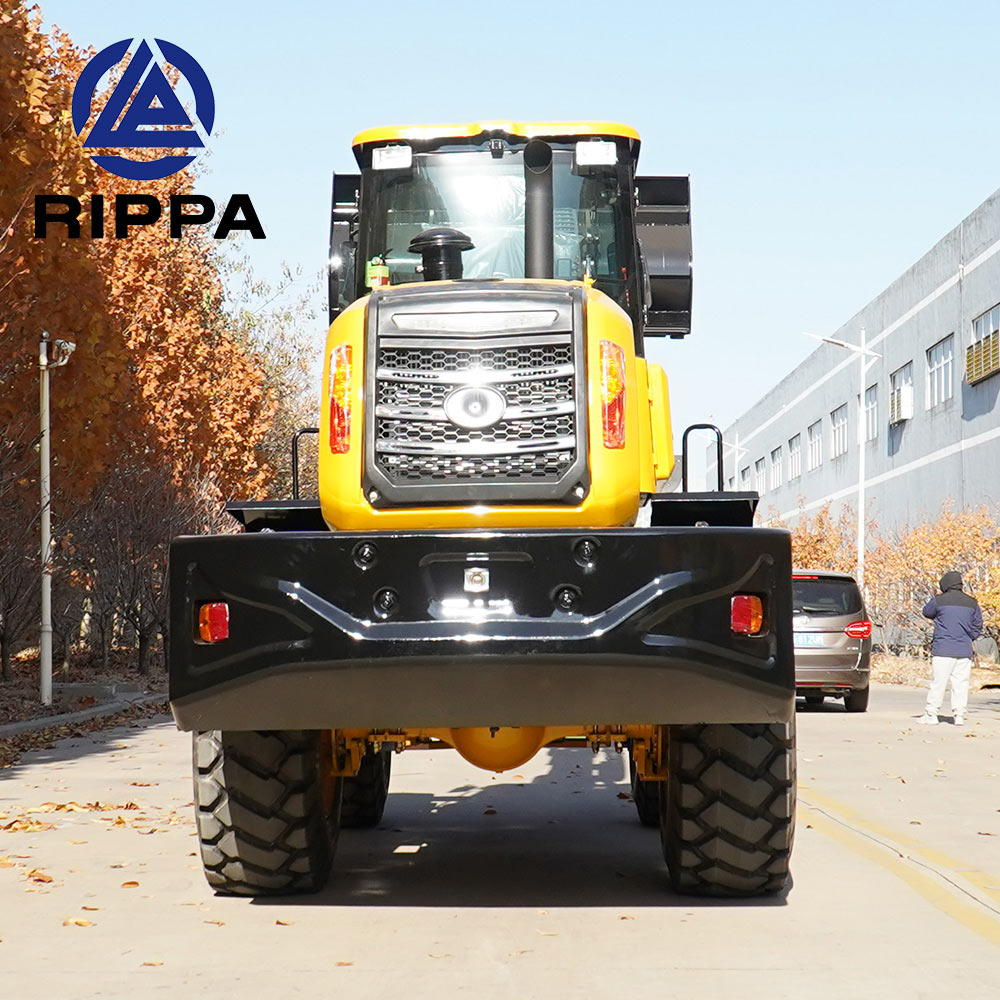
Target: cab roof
(526,130)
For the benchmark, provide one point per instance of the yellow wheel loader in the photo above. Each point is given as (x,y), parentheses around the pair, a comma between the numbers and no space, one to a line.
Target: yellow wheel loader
(491,564)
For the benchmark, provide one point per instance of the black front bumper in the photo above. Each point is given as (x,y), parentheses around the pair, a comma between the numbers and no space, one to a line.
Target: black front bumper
(648,640)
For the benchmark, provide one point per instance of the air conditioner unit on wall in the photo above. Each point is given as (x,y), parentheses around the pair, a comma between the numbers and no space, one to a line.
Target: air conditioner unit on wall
(982,359)
(901,404)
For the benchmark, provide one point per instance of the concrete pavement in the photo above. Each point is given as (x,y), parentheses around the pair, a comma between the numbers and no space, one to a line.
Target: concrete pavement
(535,883)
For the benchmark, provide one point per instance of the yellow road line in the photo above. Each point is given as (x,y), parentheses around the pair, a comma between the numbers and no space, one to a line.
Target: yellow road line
(983,881)
(937,895)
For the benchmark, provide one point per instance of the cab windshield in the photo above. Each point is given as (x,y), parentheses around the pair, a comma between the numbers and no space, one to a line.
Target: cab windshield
(483,196)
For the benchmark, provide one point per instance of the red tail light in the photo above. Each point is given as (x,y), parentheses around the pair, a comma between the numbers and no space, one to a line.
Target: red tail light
(859,630)
(213,621)
(340,399)
(747,617)
(613,394)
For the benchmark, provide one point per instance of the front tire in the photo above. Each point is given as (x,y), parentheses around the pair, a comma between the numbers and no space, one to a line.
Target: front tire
(727,808)
(267,810)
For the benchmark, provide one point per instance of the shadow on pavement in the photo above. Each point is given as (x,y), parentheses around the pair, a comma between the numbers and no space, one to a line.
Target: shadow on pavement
(562,839)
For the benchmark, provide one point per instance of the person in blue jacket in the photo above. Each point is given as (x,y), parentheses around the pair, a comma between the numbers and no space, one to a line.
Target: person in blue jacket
(957,623)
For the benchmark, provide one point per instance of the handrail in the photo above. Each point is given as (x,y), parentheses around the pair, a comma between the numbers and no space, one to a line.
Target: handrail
(295,457)
(718,455)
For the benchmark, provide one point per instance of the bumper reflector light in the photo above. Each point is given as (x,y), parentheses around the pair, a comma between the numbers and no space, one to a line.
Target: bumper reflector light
(213,622)
(747,617)
(859,630)
(340,399)
(613,394)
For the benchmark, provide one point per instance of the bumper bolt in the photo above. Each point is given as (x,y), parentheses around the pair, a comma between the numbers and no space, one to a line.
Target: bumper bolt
(586,552)
(566,598)
(386,601)
(365,555)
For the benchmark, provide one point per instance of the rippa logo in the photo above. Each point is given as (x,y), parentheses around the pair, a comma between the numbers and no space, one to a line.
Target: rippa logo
(143,111)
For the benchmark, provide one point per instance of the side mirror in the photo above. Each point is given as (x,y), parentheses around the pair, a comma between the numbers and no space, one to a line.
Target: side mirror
(341,271)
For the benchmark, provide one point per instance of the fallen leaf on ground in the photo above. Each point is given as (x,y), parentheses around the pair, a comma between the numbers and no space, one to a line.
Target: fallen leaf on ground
(985,833)
(626,918)
(218,923)
(284,923)
(489,812)
(624,795)
(152,963)
(342,964)
(5,862)
(27,826)
(77,922)
(130,885)
(39,876)
(89,907)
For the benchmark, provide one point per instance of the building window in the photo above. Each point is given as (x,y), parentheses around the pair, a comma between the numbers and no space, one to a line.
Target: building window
(983,327)
(759,479)
(745,479)
(776,468)
(732,483)
(871,413)
(795,456)
(838,432)
(940,371)
(814,434)
(901,394)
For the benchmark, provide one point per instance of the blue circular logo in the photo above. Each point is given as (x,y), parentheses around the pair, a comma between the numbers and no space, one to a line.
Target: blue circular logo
(143,111)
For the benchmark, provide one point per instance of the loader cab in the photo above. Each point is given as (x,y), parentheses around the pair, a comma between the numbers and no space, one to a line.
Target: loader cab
(544,205)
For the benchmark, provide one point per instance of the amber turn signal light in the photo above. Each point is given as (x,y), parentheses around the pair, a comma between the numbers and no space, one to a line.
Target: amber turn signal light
(213,621)
(747,617)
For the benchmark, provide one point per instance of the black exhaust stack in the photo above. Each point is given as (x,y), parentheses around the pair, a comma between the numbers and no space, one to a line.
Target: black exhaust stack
(538,226)
(441,250)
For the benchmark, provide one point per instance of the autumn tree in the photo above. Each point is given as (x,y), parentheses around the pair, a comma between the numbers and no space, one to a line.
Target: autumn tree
(164,381)
(904,567)
(823,540)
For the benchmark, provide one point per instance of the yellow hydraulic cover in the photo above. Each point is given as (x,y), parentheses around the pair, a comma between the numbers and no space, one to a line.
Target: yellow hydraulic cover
(659,411)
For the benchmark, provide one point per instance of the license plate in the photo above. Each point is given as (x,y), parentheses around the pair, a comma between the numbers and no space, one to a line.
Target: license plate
(808,638)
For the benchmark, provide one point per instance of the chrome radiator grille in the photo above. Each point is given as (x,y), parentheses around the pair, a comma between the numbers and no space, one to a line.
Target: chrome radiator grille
(420,452)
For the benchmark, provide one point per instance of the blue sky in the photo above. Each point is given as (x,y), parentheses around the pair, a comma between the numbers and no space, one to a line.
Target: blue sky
(829,145)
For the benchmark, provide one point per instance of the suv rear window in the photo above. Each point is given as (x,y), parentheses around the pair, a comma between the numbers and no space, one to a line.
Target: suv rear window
(825,596)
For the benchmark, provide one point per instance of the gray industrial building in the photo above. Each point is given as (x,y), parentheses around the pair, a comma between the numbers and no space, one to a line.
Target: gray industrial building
(926,406)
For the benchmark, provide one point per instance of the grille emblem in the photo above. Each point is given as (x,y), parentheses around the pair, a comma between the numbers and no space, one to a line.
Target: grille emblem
(475,406)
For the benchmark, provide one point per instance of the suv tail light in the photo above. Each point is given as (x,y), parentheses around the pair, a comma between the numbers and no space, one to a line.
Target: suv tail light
(859,630)
(340,399)
(747,615)
(613,394)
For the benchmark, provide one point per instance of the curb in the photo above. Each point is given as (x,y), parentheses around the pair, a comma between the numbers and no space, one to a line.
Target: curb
(50,721)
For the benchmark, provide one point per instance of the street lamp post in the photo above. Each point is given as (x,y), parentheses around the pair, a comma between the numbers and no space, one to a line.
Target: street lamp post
(862,352)
(61,350)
